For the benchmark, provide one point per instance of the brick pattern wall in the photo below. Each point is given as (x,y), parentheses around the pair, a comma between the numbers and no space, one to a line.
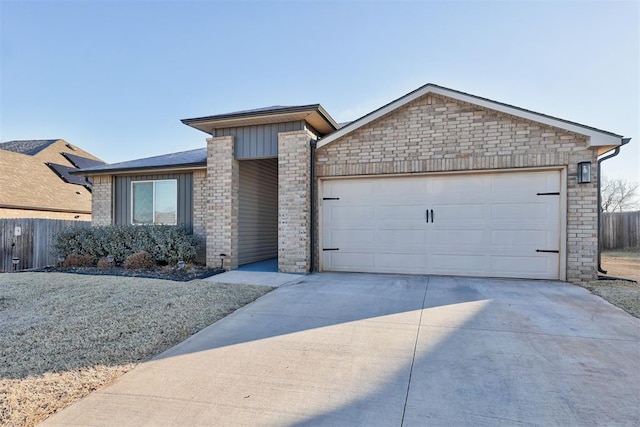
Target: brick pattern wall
(201,193)
(102,200)
(294,201)
(437,134)
(222,205)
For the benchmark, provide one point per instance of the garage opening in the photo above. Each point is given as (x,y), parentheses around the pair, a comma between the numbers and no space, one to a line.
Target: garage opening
(480,224)
(258,214)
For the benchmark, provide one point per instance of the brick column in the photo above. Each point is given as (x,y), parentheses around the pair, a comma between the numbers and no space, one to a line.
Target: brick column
(582,221)
(222,204)
(201,195)
(294,202)
(102,200)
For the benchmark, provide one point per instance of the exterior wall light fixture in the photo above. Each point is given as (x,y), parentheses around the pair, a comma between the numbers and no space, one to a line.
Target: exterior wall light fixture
(584,172)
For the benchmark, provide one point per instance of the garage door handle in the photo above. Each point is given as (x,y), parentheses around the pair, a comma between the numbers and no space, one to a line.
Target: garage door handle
(427,215)
(431,215)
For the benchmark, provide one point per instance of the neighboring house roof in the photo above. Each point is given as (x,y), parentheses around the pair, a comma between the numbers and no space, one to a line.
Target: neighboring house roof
(597,137)
(183,160)
(35,176)
(81,162)
(313,114)
(28,147)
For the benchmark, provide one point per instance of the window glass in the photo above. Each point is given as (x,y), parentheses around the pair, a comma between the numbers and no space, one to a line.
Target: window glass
(142,202)
(154,202)
(166,211)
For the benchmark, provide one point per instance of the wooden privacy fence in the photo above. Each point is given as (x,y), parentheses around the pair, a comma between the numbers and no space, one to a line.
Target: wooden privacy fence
(621,230)
(31,241)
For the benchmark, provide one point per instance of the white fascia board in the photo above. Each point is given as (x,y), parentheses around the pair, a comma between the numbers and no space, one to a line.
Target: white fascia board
(596,137)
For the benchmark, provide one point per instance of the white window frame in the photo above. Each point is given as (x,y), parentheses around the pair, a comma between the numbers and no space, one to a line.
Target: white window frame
(153,181)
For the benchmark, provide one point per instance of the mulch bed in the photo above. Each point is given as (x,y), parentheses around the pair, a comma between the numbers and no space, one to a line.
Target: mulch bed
(165,273)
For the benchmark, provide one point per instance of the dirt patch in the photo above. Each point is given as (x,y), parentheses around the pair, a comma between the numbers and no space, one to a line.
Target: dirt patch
(622,264)
(621,293)
(65,335)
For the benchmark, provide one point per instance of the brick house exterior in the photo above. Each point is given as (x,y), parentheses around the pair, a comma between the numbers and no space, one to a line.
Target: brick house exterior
(431,132)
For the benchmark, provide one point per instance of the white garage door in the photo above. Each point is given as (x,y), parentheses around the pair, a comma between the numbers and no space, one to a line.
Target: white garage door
(493,225)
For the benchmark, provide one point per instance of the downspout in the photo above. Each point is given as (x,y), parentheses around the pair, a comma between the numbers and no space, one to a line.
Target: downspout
(615,153)
(312,207)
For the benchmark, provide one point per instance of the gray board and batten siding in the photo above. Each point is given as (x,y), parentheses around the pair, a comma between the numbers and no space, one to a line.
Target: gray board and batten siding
(258,210)
(260,141)
(122,197)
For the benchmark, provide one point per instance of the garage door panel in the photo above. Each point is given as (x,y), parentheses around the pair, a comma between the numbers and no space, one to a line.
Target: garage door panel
(483,225)
(415,212)
(343,240)
(456,213)
(463,264)
(351,261)
(459,237)
(356,189)
(400,191)
(535,267)
(531,239)
(400,237)
(459,185)
(518,211)
(349,215)
(400,262)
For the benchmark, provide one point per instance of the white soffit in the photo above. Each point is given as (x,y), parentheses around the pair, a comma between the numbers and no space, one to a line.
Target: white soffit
(597,137)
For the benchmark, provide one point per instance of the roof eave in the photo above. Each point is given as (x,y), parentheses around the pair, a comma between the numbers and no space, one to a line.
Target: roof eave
(278,115)
(128,171)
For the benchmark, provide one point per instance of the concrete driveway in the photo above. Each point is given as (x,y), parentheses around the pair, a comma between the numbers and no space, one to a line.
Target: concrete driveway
(360,349)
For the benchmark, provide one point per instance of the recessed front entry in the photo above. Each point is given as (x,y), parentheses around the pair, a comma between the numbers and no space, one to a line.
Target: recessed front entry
(257,210)
(485,224)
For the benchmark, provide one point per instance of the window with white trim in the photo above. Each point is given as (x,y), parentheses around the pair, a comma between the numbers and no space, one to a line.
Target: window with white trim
(154,202)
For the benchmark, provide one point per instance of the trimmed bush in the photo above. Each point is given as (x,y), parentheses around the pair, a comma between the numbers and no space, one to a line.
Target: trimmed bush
(76,260)
(103,263)
(165,243)
(139,260)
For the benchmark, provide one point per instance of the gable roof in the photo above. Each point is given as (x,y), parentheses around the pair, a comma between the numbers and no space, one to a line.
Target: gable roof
(313,114)
(28,147)
(183,160)
(597,137)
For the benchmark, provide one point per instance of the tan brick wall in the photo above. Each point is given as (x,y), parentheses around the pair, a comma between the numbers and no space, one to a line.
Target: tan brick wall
(437,134)
(222,205)
(201,193)
(102,200)
(294,200)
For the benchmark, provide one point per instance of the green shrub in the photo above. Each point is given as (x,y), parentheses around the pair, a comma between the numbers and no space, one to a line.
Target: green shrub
(165,243)
(76,260)
(139,260)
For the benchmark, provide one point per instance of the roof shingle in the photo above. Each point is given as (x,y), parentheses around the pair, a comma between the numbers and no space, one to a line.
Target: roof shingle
(28,147)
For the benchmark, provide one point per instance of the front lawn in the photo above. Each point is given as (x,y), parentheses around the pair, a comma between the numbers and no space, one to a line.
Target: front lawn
(65,335)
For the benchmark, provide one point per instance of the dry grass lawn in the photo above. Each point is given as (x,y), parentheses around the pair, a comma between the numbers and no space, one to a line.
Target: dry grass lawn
(65,335)
(620,293)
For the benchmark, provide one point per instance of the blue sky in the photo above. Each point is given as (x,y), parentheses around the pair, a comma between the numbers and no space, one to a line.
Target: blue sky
(116,77)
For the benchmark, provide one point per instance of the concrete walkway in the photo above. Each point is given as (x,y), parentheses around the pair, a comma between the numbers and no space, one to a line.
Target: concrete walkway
(376,350)
(259,278)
